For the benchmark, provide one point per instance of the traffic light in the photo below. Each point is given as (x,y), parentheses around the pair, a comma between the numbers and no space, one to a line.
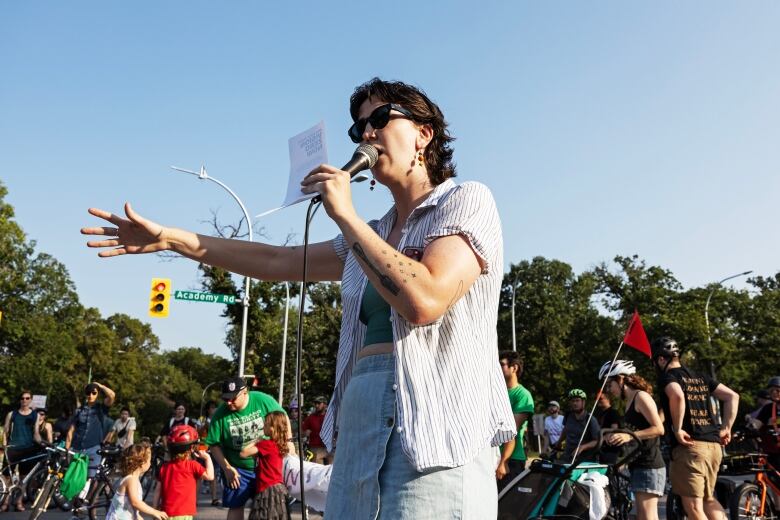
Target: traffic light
(160,297)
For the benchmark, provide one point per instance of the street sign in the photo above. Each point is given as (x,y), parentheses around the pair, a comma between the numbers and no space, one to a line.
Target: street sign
(193,296)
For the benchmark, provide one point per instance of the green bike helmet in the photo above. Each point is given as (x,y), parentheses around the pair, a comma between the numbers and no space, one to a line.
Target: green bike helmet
(576,392)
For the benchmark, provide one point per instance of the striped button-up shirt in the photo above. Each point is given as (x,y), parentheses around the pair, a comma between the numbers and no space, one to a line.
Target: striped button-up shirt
(451,398)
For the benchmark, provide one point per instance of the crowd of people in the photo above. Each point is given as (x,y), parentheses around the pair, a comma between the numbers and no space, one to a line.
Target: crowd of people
(683,415)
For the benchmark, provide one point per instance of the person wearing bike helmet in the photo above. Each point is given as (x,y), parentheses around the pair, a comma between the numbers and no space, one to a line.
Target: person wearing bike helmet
(696,435)
(574,423)
(767,422)
(177,484)
(648,471)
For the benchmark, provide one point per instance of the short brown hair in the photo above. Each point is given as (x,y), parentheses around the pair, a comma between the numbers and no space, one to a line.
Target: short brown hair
(513,359)
(438,153)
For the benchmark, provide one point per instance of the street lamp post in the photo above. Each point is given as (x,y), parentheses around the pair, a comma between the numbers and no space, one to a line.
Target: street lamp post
(203,395)
(247,280)
(514,335)
(284,343)
(707,315)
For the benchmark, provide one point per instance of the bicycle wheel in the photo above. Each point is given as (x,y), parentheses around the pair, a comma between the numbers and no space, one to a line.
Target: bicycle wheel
(674,508)
(34,483)
(746,504)
(3,489)
(100,500)
(43,497)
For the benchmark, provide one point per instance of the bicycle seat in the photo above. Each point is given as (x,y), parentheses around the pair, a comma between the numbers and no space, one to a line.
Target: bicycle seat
(110,451)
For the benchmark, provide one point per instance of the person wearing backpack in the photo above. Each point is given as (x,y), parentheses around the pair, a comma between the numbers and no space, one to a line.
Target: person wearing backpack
(178,418)
(89,425)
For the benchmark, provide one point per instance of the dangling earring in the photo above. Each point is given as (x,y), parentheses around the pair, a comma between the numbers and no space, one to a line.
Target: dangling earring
(373,183)
(420,158)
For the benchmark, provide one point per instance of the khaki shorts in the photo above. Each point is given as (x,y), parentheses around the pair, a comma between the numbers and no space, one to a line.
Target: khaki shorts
(694,470)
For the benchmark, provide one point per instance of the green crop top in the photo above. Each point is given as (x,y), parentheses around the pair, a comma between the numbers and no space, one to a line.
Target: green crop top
(375,315)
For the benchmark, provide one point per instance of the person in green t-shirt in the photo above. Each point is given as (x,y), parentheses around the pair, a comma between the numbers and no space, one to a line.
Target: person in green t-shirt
(513,452)
(238,422)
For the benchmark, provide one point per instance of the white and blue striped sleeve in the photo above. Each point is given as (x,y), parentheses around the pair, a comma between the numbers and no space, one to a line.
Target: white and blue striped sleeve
(470,211)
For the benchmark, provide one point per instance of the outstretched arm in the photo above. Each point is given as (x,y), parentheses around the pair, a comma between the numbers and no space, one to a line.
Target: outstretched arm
(138,235)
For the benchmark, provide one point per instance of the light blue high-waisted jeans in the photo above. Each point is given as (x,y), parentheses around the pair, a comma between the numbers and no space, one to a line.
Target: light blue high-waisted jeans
(372,478)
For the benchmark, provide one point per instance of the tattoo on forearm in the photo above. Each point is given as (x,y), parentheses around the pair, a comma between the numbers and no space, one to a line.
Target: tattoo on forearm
(385,280)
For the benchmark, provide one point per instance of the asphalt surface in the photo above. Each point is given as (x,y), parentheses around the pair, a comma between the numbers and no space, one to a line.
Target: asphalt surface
(205,511)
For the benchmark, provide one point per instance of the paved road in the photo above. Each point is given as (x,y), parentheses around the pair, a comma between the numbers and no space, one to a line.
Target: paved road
(205,512)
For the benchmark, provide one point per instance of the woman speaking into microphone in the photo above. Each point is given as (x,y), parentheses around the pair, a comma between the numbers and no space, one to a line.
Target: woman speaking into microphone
(419,402)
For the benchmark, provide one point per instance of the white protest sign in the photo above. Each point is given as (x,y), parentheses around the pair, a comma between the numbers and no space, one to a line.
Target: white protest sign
(38,401)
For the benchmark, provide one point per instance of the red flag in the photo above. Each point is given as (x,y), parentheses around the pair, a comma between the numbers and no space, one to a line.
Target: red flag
(635,336)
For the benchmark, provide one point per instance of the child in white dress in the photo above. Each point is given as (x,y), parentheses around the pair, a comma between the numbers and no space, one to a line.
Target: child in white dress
(128,502)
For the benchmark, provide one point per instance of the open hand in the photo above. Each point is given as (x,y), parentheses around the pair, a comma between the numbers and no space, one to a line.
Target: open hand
(133,235)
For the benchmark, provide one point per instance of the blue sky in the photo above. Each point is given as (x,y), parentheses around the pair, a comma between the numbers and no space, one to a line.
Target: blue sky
(602,128)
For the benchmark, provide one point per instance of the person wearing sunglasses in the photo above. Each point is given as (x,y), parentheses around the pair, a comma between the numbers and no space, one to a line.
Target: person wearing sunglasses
(91,423)
(18,440)
(420,289)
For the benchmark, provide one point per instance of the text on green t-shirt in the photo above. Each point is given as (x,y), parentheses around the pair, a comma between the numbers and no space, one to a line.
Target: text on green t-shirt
(232,430)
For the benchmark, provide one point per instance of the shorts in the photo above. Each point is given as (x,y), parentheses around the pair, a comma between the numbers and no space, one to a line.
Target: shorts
(694,470)
(234,498)
(94,459)
(372,465)
(648,480)
(181,517)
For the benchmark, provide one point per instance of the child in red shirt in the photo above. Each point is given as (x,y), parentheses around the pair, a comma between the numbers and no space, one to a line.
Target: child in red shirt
(177,486)
(270,501)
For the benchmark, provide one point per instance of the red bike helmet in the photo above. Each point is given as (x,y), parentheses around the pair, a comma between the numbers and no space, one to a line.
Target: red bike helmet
(182,435)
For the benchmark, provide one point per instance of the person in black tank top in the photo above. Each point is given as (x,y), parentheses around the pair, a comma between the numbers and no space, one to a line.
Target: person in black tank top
(648,472)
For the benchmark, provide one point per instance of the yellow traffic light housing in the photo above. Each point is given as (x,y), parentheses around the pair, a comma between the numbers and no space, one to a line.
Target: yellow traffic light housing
(160,297)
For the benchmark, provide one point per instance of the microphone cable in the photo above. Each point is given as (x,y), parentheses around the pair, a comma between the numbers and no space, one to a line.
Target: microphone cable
(314,205)
(364,157)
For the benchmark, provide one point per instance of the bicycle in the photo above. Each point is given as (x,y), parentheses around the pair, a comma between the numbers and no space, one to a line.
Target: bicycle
(57,460)
(759,499)
(149,478)
(102,486)
(12,485)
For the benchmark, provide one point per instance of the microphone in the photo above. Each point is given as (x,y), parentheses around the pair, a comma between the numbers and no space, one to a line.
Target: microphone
(365,157)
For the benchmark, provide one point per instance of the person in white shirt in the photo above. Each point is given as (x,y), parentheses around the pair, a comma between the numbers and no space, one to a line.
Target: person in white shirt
(123,430)
(553,425)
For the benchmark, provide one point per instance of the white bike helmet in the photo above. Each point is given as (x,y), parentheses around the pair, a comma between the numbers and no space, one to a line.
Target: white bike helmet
(620,368)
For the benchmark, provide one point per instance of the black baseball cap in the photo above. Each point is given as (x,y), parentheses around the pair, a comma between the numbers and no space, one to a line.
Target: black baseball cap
(232,386)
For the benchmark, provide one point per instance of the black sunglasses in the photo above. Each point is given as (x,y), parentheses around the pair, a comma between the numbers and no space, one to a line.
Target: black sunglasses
(378,119)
